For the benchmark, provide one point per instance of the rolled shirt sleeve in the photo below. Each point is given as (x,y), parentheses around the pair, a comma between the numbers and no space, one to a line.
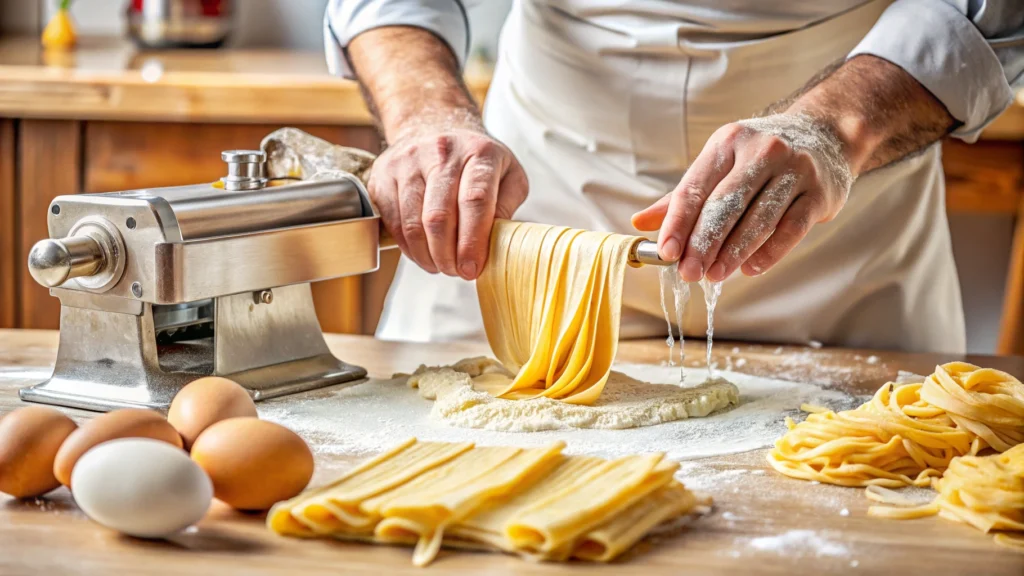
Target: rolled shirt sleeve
(953,48)
(346,19)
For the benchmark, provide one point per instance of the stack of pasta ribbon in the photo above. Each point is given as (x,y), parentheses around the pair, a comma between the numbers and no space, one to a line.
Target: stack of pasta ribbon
(960,432)
(535,502)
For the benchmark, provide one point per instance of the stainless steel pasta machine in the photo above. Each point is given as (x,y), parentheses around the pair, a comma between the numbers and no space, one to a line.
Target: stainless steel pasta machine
(161,286)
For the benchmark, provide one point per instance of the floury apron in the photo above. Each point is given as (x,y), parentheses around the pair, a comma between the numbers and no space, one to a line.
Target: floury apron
(606,103)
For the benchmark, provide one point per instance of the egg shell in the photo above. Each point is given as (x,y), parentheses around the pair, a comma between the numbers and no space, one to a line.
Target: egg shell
(29,440)
(205,402)
(253,463)
(141,487)
(127,423)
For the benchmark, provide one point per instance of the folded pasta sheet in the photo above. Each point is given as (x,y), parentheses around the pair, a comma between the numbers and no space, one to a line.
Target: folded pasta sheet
(534,502)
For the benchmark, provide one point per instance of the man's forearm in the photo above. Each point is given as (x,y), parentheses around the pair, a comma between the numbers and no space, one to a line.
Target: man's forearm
(411,82)
(878,110)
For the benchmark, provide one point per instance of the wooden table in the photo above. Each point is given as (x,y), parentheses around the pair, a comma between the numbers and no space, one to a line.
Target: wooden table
(52,537)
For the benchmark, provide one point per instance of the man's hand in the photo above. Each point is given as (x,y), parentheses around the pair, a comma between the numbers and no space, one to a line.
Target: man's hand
(749,198)
(442,181)
(439,193)
(759,185)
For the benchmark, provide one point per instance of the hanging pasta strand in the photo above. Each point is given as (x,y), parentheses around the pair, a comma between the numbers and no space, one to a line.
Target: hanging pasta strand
(551,298)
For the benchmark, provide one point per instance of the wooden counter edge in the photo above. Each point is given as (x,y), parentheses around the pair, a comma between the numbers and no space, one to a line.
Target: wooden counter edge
(189,97)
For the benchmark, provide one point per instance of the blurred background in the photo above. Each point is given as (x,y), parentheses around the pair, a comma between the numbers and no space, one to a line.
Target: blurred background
(117,135)
(257,24)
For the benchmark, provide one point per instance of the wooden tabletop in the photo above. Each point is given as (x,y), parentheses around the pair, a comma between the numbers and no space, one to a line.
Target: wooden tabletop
(110,79)
(762,523)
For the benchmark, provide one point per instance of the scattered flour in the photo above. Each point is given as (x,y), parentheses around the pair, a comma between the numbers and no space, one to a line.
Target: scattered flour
(369,417)
(680,297)
(665,279)
(772,202)
(668,276)
(799,543)
(807,134)
(712,290)
(904,377)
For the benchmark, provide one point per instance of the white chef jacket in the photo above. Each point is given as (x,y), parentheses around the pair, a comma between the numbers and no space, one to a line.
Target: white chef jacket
(606,102)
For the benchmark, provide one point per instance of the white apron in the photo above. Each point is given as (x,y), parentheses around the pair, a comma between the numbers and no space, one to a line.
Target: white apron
(605,103)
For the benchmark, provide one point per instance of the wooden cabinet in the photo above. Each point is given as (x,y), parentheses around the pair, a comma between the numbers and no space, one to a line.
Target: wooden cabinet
(8,228)
(49,165)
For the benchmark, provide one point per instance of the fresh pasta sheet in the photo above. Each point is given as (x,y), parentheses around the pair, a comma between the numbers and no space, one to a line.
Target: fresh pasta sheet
(551,298)
(537,502)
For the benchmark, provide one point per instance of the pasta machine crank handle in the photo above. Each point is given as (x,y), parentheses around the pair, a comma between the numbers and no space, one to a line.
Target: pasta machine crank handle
(646,252)
(643,252)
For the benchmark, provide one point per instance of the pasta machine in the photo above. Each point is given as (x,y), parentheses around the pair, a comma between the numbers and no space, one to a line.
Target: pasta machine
(161,286)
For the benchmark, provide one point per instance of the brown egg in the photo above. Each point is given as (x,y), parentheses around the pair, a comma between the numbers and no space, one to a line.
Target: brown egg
(206,401)
(253,463)
(29,440)
(126,423)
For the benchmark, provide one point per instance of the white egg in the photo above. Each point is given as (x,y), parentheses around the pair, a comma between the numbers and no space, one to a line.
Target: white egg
(141,487)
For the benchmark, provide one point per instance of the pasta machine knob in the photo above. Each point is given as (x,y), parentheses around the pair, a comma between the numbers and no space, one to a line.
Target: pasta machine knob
(245,169)
(93,252)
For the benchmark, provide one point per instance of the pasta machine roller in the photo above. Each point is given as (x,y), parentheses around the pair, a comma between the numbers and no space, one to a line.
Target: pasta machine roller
(161,286)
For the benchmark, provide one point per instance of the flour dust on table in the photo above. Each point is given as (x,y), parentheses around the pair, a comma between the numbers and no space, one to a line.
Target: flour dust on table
(370,417)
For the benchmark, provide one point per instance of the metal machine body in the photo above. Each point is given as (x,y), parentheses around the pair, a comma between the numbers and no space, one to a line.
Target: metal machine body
(159,287)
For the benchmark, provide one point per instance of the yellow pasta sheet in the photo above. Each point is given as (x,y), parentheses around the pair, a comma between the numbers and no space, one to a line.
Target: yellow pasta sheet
(551,298)
(535,502)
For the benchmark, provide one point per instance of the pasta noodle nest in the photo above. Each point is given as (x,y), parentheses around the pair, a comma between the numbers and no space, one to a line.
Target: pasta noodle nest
(931,433)
(906,434)
(986,492)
